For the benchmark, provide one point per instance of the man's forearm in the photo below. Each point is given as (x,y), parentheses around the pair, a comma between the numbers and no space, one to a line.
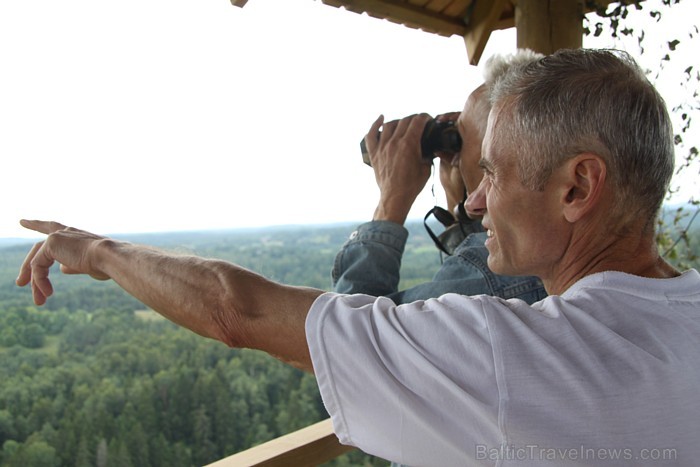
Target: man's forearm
(214,298)
(210,297)
(171,285)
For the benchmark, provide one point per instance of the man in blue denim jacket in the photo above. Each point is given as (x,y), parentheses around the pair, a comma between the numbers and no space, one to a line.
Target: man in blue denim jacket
(370,261)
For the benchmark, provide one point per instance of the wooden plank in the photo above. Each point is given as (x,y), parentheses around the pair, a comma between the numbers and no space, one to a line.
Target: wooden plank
(407,14)
(457,8)
(309,446)
(484,16)
(442,6)
(452,11)
(418,3)
(504,23)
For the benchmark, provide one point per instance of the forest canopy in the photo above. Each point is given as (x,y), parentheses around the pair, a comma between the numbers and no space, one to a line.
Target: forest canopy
(94,378)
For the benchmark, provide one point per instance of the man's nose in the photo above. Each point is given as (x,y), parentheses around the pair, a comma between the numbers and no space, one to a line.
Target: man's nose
(476,201)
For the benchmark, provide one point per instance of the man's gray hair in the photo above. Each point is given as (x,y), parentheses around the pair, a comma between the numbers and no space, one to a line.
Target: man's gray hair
(597,101)
(495,67)
(498,65)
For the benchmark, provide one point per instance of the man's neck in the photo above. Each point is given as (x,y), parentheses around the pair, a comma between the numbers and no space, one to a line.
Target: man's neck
(632,255)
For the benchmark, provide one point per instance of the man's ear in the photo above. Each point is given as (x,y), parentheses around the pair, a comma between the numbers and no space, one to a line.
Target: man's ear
(584,176)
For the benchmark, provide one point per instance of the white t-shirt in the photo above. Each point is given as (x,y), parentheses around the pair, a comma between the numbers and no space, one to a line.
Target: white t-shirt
(608,373)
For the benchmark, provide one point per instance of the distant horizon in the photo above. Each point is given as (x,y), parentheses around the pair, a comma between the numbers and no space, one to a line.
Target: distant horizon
(340,223)
(31,237)
(6,241)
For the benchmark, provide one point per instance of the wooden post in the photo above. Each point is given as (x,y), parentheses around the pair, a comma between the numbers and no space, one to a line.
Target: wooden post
(481,23)
(548,25)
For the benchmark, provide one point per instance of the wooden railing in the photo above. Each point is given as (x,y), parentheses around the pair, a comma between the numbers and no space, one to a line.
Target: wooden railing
(309,446)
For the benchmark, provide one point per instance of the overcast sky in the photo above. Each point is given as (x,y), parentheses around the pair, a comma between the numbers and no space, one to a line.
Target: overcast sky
(161,115)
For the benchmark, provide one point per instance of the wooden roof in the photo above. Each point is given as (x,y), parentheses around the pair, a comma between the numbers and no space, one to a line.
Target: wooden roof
(474,20)
(443,17)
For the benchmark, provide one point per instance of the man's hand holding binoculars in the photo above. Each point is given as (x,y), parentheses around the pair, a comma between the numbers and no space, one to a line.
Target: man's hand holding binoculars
(399,168)
(401,154)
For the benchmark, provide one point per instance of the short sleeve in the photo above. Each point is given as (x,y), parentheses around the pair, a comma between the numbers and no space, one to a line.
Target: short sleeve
(401,382)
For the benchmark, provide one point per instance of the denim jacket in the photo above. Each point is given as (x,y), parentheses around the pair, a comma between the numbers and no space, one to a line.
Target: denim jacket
(370,260)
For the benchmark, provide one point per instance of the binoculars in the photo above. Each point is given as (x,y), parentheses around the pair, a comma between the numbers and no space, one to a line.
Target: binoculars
(437,137)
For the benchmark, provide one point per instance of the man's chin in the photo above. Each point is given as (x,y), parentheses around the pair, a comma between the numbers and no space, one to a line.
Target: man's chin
(493,263)
(499,267)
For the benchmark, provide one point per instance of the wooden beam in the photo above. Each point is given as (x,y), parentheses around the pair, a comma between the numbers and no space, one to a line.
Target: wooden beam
(309,446)
(404,13)
(485,16)
(546,26)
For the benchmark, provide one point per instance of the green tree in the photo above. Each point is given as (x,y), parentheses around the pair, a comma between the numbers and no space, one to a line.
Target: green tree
(34,453)
(118,454)
(102,455)
(84,457)
(8,337)
(7,426)
(204,449)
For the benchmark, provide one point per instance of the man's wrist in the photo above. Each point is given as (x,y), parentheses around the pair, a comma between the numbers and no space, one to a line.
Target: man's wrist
(104,254)
(384,213)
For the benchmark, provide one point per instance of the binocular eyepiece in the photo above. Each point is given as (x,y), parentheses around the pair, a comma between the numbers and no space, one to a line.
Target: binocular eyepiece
(438,136)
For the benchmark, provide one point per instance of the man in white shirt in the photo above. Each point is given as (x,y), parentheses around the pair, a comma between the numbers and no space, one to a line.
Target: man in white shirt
(577,158)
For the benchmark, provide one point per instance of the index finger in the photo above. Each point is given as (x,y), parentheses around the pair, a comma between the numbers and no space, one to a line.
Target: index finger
(45,227)
(372,137)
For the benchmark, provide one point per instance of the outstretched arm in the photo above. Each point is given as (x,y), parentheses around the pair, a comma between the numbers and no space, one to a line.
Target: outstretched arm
(213,298)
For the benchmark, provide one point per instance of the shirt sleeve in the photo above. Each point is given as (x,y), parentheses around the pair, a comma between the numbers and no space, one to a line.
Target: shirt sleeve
(400,382)
(370,261)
